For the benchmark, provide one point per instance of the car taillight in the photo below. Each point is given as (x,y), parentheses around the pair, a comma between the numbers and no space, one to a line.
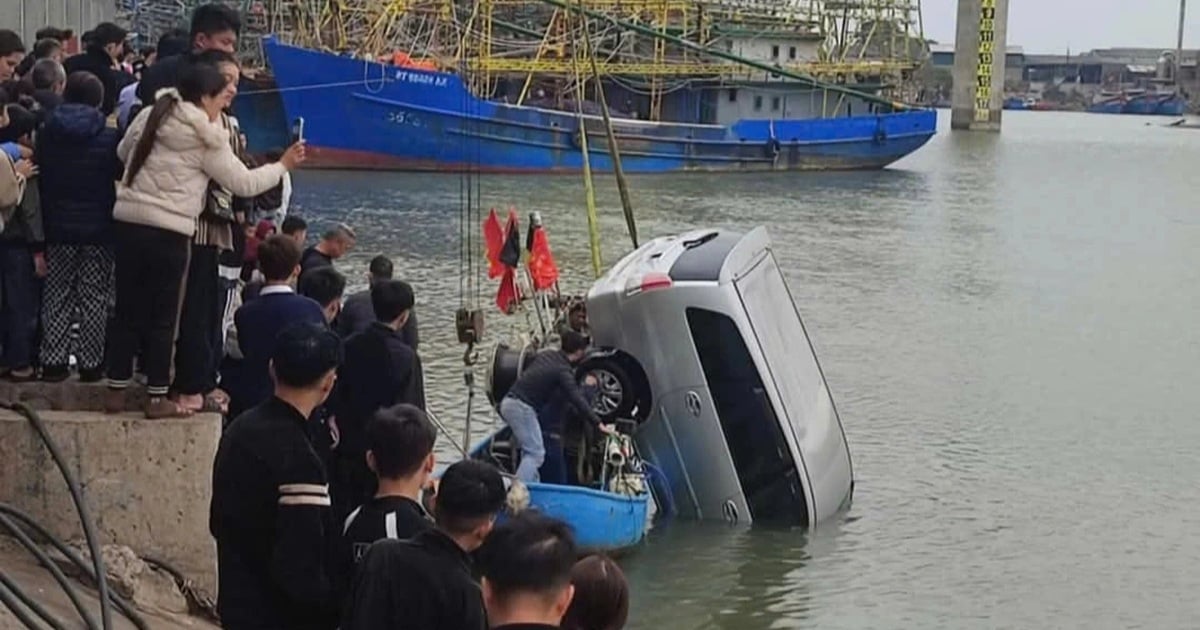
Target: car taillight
(649,282)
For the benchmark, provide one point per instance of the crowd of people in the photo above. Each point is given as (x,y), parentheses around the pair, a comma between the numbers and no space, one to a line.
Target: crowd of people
(139,240)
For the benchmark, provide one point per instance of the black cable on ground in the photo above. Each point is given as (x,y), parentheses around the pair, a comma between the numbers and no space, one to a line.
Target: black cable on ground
(45,561)
(29,602)
(26,520)
(89,529)
(10,601)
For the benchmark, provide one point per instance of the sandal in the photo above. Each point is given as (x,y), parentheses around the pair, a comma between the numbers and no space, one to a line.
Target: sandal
(164,408)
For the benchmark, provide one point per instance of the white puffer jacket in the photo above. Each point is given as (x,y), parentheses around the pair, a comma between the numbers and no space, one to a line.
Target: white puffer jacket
(189,150)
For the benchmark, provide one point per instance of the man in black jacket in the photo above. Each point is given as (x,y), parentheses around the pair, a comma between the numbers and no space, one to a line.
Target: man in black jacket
(550,373)
(77,154)
(427,583)
(104,49)
(399,444)
(270,510)
(214,27)
(380,371)
(358,313)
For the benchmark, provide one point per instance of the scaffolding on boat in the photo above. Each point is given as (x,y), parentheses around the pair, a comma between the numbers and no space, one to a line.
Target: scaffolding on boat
(653,46)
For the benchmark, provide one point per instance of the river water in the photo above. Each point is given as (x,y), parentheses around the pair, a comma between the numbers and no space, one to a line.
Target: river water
(1008,325)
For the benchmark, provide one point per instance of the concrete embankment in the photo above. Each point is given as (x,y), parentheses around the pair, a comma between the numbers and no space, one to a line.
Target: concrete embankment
(147,482)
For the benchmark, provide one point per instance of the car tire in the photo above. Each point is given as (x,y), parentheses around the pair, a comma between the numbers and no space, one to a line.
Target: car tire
(618,391)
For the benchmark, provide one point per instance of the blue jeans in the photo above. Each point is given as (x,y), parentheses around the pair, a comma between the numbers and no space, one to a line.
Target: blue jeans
(19,306)
(522,419)
(554,468)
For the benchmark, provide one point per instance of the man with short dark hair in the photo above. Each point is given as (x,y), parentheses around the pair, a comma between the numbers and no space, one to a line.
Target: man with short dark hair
(380,371)
(550,374)
(12,52)
(335,243)
(399,450)
(526,566)
(170,44)
(296,228)
(214,27)
(270,506)
(105,48)
(358,313)
(43,48)
(260,320)
(426,583)
(326,286)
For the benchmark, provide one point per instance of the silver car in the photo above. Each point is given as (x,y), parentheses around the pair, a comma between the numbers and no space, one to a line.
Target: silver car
(698,339)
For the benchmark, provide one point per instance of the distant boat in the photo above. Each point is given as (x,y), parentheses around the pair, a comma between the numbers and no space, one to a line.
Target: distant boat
(364,114)
(1140,103)
(1109,103)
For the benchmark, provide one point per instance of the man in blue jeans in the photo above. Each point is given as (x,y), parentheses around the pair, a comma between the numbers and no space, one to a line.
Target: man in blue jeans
(550,373)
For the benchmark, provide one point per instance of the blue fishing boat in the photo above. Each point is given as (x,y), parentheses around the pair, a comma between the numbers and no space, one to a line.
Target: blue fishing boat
(364,114)
(1172,105)
(610,515)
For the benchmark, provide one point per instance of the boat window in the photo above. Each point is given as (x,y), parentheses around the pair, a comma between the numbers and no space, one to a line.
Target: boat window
(757,103)
(775,52)
(733,95)
(766,471)
(775,103)
(791,52)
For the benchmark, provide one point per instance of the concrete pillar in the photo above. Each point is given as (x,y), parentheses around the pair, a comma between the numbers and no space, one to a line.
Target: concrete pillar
(979,55)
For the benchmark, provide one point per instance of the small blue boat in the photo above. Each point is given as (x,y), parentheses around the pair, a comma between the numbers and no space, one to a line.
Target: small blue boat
(602,520)
(1142,104)
(1173,105)
(364,114)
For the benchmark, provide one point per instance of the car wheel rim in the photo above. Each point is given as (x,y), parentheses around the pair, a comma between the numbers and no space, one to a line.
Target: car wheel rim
(610,393)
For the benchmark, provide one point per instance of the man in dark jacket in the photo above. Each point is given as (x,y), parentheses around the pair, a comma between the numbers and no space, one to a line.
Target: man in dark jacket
(104,49)
(380,371)
(427,583)
(270,506)
(549,374)
(258,322)
(358,313)
(77,154)
(214,27)
(399,443)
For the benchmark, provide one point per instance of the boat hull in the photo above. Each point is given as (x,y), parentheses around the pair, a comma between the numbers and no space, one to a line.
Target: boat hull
(601,521)
(1173,106)
(361,114)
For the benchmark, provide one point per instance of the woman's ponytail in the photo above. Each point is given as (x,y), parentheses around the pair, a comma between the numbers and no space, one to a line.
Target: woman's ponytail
(162,108)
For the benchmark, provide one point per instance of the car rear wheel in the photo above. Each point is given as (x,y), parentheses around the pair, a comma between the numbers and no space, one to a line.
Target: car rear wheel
(617,396)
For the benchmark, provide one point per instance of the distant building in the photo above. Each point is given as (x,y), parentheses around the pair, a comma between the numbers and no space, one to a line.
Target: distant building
(942,56)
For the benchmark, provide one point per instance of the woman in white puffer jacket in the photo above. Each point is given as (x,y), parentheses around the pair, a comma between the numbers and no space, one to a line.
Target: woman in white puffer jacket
(171,151)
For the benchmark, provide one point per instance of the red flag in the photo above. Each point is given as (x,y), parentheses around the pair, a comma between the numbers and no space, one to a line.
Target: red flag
(506,297)
(493,238)
(541,262)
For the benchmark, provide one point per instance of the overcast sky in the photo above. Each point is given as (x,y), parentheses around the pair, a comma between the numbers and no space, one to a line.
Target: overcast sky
(1049,26)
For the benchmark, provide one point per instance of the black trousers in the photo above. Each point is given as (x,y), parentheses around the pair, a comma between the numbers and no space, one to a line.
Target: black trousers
(196,358)
(150,266)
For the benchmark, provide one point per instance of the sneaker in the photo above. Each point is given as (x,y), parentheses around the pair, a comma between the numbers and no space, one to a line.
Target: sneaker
(93,375)
(22,375)
(56,373)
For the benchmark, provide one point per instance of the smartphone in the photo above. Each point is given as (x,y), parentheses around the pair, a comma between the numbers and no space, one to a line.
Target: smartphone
(297,130)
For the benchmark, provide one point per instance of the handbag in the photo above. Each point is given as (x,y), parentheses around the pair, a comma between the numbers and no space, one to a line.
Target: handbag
(218,204)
